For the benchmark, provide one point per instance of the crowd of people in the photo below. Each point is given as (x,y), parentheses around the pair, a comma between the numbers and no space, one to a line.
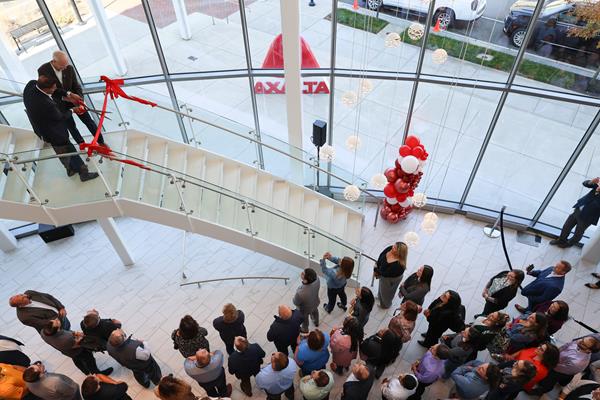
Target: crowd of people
(524,355)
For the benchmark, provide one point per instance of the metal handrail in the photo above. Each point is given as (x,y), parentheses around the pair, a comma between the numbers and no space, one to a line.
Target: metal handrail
(259,142)
(284,278)
(205,185)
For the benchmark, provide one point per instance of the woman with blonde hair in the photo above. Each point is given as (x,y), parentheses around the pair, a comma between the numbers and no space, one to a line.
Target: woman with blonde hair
(389,269)
(230,325)
(336,280)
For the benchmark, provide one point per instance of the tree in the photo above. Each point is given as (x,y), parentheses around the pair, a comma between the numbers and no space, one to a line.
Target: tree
(587,11)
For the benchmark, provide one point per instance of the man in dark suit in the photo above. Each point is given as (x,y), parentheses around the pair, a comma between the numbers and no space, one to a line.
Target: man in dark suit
(98,328)
(285,329)
(547,285)
(586,213)
(359,383)
(48,122)
(245,362)
(10,352)
(64,74)
(36,309)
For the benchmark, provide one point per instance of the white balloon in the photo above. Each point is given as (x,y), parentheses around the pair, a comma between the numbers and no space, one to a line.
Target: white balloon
(400,158)
(391,200)
(409,164)
(406,202)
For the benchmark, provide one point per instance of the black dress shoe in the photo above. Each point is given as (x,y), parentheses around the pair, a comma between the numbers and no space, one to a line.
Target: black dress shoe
(565,245)
(423,335)
(87,176)
(327,310)
(107,371)
(556,242)
(596,275)
(343,307)
(592,286)
(422,343)
(70,172)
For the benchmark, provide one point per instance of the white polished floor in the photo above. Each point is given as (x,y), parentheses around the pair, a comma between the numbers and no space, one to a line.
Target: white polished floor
(84,272)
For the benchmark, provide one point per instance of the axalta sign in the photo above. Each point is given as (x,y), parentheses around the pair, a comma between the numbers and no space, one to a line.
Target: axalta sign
(309,87)
(274,60)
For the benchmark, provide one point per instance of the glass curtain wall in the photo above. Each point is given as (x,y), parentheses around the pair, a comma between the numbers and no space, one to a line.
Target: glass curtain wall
(500,115)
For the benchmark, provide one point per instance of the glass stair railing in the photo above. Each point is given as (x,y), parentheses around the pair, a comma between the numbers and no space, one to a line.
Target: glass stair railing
(222,199)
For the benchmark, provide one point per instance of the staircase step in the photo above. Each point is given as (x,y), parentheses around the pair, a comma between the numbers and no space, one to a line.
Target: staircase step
(353,229)
(321,243)
(209,204)
(137,148)
(176,160)
(195,164)
(229,205)
(264,195)
(153,183)
(248,179)
(279,226)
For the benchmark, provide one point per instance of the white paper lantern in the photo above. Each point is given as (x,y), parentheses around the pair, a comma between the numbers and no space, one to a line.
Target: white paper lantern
(392,40)
(416,31)
(428,226)
(351,192)
(419,200)
(327,153)
(391,200)
(412,239)
(378,181)
(352,142)
(431,216)
(439,56)
(409,164)
(366,86)
(406,202)
(349,98)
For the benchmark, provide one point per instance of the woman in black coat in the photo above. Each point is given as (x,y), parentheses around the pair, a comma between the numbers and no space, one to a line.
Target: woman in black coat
(380,350)
(416,287)
(442,314)
(500,290)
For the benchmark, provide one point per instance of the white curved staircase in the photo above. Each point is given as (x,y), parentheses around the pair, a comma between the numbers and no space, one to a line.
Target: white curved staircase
(188,188)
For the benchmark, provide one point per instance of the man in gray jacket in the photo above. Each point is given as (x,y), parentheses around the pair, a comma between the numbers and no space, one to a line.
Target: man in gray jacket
(135,355)
(207,369)
(69,344)
(49,386)
(307,298)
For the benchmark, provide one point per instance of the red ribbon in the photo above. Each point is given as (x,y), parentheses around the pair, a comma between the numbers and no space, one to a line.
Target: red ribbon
(113,89)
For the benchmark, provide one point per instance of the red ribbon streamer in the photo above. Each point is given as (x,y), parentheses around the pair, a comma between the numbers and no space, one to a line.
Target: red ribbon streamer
(113,89)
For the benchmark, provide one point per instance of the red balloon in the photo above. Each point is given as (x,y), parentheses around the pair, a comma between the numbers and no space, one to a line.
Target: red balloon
(401,197)
(405,150)
(389,190)
(385,212)
(412,141)
(418,152)
(392,218)
(396,208)
(401,186)
(397,165)
(391,175)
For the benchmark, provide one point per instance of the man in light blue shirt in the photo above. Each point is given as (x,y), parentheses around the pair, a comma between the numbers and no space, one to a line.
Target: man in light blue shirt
(207,369)
(278,377)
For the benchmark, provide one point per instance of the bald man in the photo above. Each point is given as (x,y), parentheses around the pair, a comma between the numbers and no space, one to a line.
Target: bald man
(359,382)
(285,329)
(60,69)
(207,369)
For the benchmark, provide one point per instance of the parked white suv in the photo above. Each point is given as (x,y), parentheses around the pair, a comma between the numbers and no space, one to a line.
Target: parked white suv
(446,11)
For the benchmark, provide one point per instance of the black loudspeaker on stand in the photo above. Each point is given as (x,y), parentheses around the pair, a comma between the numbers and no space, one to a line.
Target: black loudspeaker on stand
(319,138)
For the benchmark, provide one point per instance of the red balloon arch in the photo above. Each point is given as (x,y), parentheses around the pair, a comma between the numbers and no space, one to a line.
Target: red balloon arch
(403,179)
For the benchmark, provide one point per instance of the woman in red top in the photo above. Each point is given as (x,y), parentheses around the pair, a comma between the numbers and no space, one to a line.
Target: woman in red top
(544,357)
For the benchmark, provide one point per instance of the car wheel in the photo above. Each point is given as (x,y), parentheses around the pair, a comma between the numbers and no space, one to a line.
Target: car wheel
(517,37)
(374,4)
(446,18)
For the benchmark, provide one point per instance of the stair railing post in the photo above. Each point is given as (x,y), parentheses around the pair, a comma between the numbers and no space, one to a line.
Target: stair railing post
(188,110)
(32,193)
(249,208)
(174,181)
(123,123)
(109,192)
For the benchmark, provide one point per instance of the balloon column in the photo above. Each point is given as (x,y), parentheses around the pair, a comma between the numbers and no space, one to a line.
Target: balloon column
(402,180)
